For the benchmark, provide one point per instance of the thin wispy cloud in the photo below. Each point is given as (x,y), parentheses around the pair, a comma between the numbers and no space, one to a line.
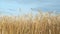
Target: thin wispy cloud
(25,5)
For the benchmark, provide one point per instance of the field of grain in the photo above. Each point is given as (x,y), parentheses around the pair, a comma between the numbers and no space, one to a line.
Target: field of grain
(29,24)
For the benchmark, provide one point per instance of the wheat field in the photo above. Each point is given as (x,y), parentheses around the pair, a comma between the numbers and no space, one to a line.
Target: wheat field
(29,24)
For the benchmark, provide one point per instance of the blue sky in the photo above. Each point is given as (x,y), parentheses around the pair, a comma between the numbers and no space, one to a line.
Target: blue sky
(12,7)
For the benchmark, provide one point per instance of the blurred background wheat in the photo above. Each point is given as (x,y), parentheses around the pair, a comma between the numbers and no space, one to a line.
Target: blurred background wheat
(41,23)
